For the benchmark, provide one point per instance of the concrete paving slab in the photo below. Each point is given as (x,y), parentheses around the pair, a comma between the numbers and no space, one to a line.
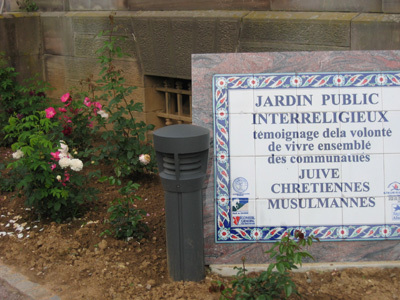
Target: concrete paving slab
(15,286)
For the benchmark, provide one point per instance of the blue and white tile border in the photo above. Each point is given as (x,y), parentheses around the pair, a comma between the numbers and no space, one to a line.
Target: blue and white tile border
(221,85)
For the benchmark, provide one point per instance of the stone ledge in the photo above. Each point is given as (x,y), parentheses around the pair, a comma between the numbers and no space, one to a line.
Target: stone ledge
(228,269)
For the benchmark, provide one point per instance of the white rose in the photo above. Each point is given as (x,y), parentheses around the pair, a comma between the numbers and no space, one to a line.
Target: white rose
(64,162)
(64,147)
(18,154)
(76,164)
(144,159)
(58,177)
(103,114)
(65,155)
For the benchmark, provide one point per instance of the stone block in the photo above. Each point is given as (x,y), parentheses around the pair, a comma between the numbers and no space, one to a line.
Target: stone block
(10,5)
(391,6)
(375,32)
(28,66)
(97,21)
(97,5)
(57,34)
(297,30)
(52,5)
(79,5)
(166,40)
(321,5)
(86,45)
(131,71)
(107,5)
(21,43)
(7,34)
(21,33)
(197,5)
(65,72)
(54,67)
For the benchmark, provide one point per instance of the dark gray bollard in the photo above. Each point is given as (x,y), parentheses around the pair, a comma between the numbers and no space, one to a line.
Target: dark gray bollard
(182,154)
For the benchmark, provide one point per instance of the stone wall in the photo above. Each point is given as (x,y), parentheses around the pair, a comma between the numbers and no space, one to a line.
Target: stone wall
(60,44)
(378,6)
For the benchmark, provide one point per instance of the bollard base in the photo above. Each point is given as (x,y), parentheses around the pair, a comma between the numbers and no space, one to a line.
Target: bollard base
(184,226)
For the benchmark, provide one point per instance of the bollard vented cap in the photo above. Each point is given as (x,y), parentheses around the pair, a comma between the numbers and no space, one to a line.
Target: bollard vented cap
(181,138)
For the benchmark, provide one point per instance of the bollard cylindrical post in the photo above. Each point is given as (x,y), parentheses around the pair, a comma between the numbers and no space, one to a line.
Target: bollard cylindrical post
(182,154)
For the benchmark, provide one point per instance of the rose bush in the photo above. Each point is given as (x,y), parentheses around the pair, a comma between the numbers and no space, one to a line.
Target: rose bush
(49,177)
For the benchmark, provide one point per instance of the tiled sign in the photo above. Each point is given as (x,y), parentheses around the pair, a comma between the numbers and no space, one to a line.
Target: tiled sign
(317,152)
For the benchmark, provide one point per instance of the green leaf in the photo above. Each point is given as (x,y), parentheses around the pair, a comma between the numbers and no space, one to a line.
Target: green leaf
(288,289)
(57,206)
(280,267)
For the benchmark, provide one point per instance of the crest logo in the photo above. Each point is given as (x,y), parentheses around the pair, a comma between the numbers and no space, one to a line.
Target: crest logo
(393,189)
(396,212)
(394,186)
(240,185)
(240,205)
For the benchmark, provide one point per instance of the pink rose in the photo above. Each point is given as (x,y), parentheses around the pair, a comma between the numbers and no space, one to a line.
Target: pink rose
(67,130)
(97,105)
(50,112)
(61,109)
(66,176)
(87,102)
(55,155)
(65,97)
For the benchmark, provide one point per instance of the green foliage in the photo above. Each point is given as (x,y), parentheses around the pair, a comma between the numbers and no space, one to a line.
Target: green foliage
(126,220)
(9,180)
(124,136)
(275,283)
(16,99)
(27,5)
(51,190)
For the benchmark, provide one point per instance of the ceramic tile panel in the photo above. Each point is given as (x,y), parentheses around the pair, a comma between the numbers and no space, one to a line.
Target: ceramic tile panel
(276,139)
(277,213)
(320,179)
(391,96)
(305,150)
(392,197)
(242,125)
(269,169)
(392,214)
(371,182)
(239,101)
(279,100)
(243,176)
(362,138)
(367,211)
(391,132)
(320,99)
(360,99)
(320,212)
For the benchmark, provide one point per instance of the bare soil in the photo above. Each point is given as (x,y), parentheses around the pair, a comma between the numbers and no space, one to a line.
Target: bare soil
(75,262)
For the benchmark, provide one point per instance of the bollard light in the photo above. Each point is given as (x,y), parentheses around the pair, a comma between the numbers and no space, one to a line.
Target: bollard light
(182,154)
